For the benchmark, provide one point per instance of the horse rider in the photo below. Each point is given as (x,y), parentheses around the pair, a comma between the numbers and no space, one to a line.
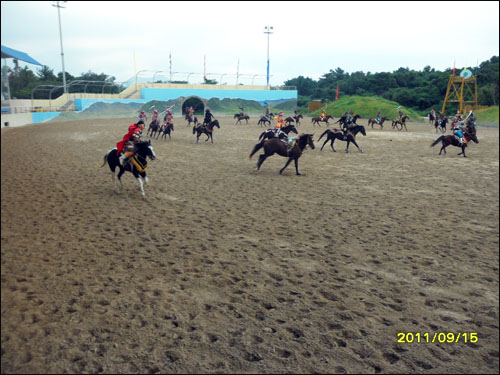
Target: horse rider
(191,113)
(208,117)
(471,118)
(143,116)
(323,114)
(154,117)
(279,125)
(401,114)
(242,110)
(267,112)
(129,139)
(378,118)
(458,131)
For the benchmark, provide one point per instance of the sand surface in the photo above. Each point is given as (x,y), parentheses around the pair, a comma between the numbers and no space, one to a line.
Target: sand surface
(223,269)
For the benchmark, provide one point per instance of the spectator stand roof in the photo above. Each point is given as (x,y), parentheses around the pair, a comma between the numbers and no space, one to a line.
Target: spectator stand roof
(18,55)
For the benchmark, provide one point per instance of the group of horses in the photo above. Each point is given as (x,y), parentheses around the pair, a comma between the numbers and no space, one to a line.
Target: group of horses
(272,142)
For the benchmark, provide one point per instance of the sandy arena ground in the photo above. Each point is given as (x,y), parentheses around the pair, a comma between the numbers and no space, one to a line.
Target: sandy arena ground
(223,269)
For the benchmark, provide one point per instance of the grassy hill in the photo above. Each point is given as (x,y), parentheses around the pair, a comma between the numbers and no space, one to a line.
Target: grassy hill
(367,107)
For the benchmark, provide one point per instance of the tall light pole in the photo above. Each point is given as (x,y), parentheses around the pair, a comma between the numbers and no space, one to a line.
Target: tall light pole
(60,36)
(268,30)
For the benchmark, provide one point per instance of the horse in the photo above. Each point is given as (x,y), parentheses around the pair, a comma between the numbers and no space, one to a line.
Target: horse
(136,165)
(274,145)
(190,120)
(373,121)
(447,140)
(396,121)
(153,127)
(205,129)
(289,120)
(297,118)
(241,117)
(317,120)
(431,117)
(165,129)
(263,120)
(337,134)
(441,124)
(270,133)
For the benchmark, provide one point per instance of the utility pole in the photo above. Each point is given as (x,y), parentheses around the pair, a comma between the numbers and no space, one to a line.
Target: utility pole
(60,37)
(268,30)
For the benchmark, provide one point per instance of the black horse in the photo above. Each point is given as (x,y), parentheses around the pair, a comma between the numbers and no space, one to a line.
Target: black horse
(137,164)
(446,140)
(165,129)
(274,145)
(263,120)
(271,133)
(153,128)
(337,134)
(431,118)
(317,120)
(240,117)
(205,129)
(441,124)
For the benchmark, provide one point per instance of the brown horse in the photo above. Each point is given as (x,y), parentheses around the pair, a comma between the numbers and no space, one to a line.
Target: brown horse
(276,146)
(317,120)
(396,121)
(297,118)
(240,117)
(374,121)
(263,120)
(205,129)
(447,140)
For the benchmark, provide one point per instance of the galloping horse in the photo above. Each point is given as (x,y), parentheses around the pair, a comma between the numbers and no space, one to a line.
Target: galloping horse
(373,121)
(441,124)
(205,129)
(396,121)
(270,133)
(337,134)
(137,164)
(317,120)
(165,129)
(446,140)
(263,120)
(289,120)
(279,147)
(297,118)
(153,127)
(241,117)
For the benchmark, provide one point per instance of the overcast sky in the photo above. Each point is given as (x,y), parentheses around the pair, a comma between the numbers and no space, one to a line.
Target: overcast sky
(309,38)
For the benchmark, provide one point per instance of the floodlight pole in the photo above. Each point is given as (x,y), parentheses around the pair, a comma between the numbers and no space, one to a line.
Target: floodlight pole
(268,31)
(60,37)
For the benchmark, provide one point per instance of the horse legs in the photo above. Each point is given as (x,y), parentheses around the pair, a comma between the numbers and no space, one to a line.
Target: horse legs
(141,185)
(286,165)
(324,143)
(443,148)
(463,151)
(355,144)
(261,160)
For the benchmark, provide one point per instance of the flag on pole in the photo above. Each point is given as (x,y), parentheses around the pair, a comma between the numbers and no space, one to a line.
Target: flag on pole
(453,67)
(336,97)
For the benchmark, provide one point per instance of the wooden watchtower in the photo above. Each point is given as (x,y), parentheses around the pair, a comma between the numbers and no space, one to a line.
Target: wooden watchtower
(461,90)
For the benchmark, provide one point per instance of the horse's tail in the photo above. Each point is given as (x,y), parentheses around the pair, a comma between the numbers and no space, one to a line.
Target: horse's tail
(256,148)
(262,135)
(105,159)
(437,141)
(326,131)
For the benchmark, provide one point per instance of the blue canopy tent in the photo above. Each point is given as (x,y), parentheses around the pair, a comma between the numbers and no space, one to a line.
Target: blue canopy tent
(16,55)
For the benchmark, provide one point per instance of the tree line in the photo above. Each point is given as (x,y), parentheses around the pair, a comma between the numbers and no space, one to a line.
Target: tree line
(419,90)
